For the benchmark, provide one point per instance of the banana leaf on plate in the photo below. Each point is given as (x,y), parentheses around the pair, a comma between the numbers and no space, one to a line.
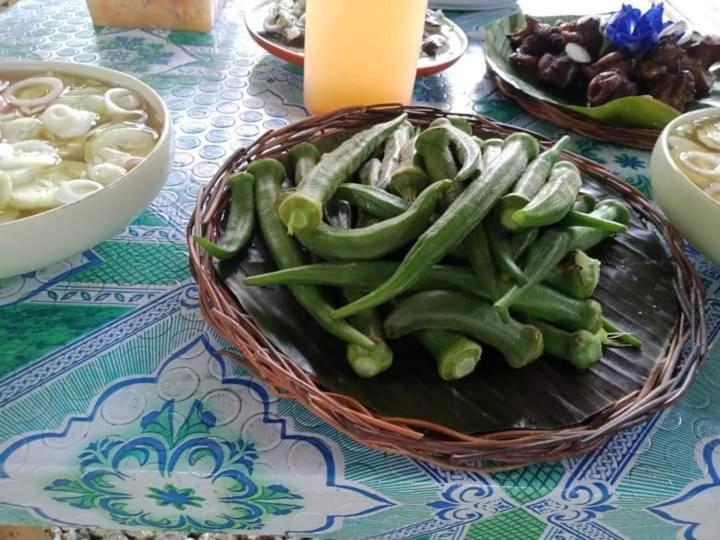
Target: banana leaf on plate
(636,291)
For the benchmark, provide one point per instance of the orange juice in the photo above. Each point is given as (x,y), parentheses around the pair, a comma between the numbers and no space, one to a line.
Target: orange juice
(360,52)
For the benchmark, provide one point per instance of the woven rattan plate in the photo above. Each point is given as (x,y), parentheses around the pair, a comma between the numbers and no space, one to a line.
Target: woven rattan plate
(676,355)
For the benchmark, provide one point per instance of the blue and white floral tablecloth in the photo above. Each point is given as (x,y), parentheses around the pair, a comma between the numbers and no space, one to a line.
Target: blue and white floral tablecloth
(117,410)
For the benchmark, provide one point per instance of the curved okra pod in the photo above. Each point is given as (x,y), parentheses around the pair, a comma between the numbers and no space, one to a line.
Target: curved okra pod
(451,228)
(609,209)
(241,219)
(579,215)
(529,184)
(586,220)
(369,173)
(372,200)
(491,148)
(269,175)
(409,179)
(577,275)
(519,344)
(460,123)
(303,210)
(585,203)
(553,201)
(433,145)
(379,239)
(466,149)
(303,157)
(581,348)
(392,155)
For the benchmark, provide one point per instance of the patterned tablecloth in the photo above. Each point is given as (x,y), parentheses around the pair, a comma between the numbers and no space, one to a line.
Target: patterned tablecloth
(117,409)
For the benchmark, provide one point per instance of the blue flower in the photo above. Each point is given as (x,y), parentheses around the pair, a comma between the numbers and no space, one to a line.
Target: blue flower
(634,31)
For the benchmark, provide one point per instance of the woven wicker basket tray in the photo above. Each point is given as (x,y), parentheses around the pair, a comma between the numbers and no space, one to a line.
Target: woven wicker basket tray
(421,439)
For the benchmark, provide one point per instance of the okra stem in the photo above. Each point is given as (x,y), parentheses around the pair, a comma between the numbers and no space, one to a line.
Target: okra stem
(455,355)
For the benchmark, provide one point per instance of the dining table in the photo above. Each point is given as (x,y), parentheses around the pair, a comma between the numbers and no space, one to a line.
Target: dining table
(119,408)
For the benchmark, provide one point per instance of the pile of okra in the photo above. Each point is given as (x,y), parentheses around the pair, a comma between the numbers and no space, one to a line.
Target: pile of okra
(457,241)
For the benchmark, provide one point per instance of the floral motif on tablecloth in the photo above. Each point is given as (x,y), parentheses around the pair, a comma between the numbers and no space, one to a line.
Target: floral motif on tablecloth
(193,447)
(629,161)
(463,502)
(140,52)
(103,484)
(695,508)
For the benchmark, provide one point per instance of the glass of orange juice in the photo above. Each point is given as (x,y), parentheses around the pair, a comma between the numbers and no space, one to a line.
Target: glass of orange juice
(360,52)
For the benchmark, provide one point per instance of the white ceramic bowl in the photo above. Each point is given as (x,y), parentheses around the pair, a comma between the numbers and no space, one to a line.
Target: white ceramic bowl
(695,213)
(42,239)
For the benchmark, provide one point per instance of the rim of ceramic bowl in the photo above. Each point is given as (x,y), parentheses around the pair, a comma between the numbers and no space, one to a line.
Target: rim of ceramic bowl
(686,118)
(106,75)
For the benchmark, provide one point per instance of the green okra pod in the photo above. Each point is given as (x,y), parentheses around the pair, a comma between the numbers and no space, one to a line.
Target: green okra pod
(468,153)
(518,343)
(241,219)
(379,239)
(369,173)
(392,156)
(502,253)
(372,200)
(553,201)
(529,184)
(491,149)
(269,175)
(581,348)
(555,243)
(433,145)
(577,275)
(476,247)
(303,210)
(302,159)
(410,178)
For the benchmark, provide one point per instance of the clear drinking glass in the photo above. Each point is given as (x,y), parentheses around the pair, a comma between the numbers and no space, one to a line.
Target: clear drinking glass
(360,52)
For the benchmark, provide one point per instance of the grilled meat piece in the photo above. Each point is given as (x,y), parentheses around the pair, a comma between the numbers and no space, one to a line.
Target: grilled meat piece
(584,31)
(614,61)
(609,85)
(558,70)
(675,89)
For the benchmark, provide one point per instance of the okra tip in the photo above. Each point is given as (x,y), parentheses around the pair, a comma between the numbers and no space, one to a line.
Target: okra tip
(532,147)
(588,349)
(518,218)
(509,205)
(530,348)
